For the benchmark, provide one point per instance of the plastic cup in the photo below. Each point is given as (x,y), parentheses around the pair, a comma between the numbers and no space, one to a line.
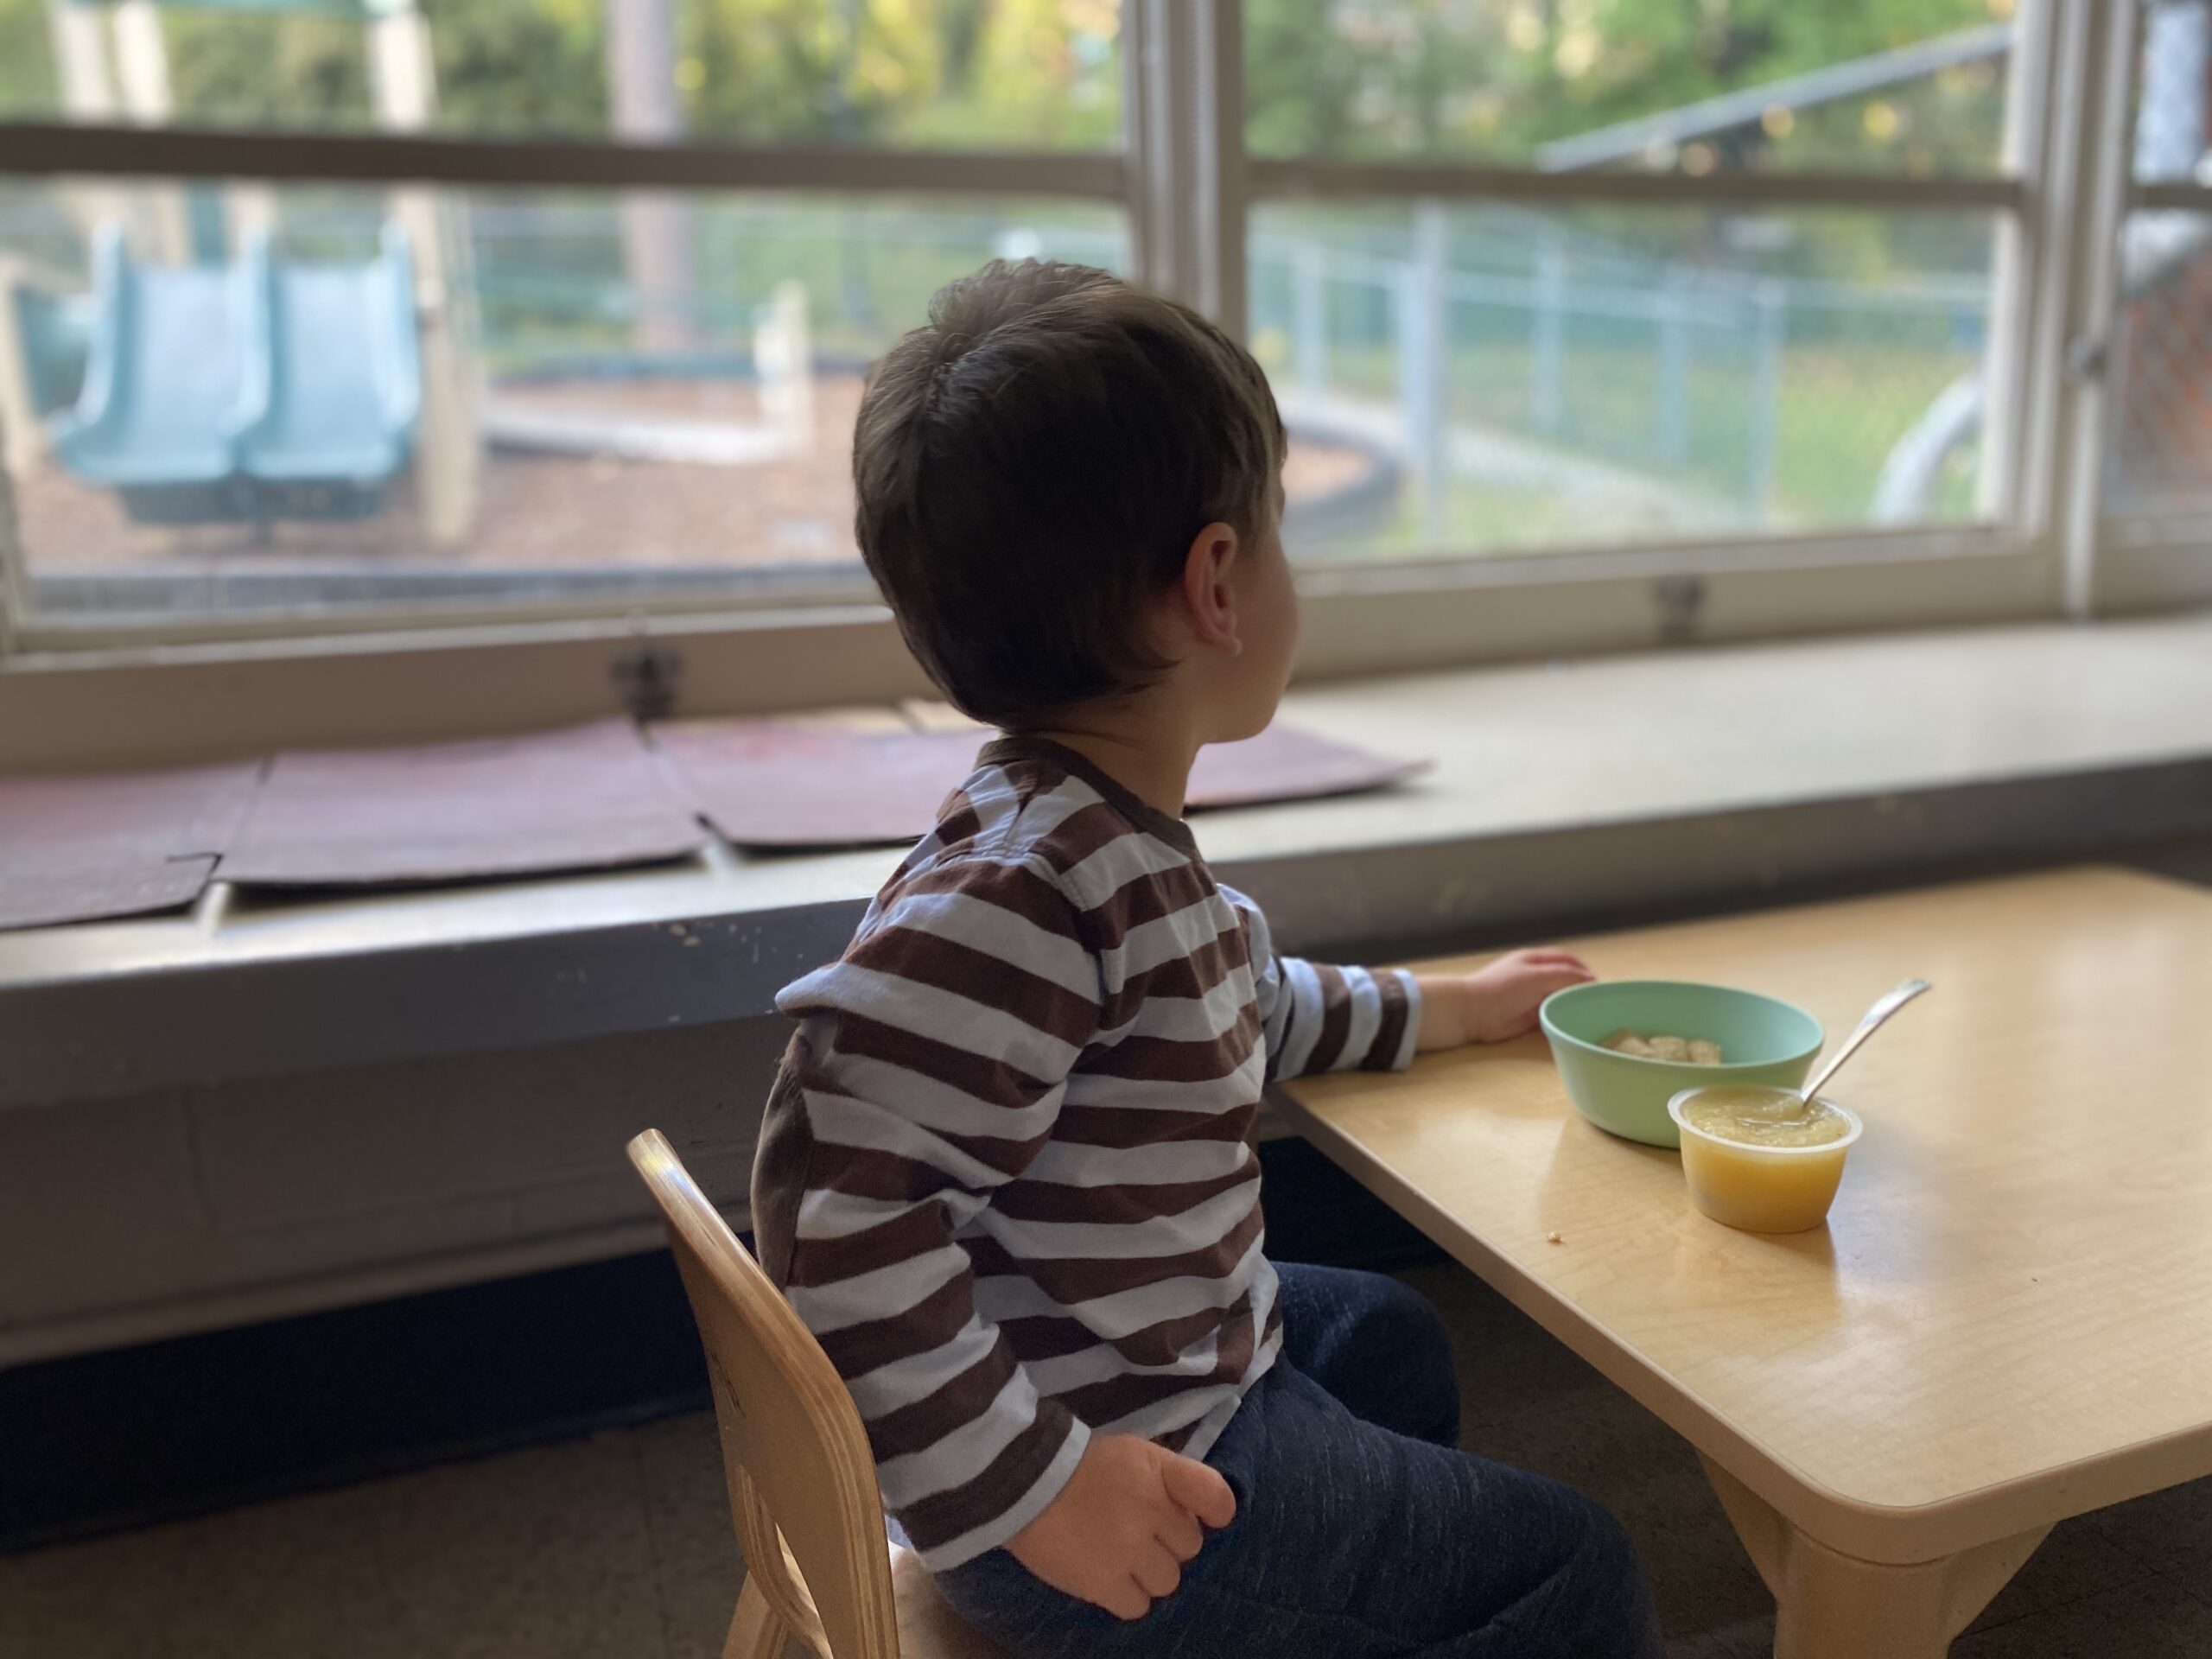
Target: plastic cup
(1762,1189)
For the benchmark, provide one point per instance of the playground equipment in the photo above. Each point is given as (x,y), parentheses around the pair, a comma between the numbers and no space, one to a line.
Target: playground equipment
(165,392)
(339,379)
(253,390)
(246,387)
(783,367)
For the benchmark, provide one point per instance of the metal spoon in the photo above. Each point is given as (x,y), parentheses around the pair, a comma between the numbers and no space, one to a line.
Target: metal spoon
(1875,1018)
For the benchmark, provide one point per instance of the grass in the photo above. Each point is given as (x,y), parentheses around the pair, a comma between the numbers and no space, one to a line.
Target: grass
(1839,408)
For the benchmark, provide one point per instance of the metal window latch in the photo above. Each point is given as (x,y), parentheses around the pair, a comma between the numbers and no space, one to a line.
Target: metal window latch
(2087,356)
(1681,600)
(647,677)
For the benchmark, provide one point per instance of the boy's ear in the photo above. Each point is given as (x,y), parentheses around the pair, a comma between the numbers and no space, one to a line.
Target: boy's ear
(1209,593)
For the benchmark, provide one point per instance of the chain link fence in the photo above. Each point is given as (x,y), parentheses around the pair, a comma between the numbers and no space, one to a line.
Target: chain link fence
(2160,360)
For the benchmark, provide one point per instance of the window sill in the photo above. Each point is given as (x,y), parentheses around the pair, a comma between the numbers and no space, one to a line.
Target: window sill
(1559,793)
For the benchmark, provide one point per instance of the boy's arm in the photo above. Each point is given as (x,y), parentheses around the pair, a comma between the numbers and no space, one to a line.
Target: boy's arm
(930,1070)
(1318,1017)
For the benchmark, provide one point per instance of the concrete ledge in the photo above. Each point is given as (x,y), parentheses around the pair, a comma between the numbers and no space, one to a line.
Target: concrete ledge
(1559,794)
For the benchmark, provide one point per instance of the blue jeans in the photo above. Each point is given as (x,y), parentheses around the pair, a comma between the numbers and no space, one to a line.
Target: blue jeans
(1361,1531)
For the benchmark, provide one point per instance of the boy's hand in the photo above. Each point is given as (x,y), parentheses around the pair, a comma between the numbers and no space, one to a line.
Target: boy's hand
(1497,1002)
(1130,1515)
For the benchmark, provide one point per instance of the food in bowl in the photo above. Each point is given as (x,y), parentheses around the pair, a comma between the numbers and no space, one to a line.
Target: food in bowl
(1683,1051)
(1762,1038)
(1754,1159)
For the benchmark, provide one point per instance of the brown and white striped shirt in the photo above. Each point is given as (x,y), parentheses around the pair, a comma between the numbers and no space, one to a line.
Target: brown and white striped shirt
(1007,1175)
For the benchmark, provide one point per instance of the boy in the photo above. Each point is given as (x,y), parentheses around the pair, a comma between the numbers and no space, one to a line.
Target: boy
(1007,1175)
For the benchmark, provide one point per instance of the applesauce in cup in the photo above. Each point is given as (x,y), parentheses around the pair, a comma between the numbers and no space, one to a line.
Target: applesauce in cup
(1754,1160)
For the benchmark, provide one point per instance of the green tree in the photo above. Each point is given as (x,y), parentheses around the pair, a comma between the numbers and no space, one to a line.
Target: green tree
(1497,77)
(267,69)
(28,85)
(1489,77)
(519,65)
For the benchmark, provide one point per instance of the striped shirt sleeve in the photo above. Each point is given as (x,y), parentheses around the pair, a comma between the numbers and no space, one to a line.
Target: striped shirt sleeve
(936,1057)
(1318,1017)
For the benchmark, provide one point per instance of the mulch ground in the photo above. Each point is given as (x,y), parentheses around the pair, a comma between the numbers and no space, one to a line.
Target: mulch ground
(554,512)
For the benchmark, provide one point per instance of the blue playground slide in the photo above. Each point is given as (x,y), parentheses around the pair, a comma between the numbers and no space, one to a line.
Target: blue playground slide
(164,391)
(254,391)
(341,384)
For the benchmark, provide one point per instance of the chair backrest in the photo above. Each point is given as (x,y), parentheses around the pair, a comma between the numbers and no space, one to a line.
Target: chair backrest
(802,1481)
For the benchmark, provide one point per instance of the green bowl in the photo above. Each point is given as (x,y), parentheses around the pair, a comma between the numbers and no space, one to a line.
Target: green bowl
(1766,1040)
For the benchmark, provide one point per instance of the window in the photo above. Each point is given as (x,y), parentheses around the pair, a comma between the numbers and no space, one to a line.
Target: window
(1653,273)
(310,401)
(1515,379)
(514,333)
(2160,367)
(618,398)
(2156,354)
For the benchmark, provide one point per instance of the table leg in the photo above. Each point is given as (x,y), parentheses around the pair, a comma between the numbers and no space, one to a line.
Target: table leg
(1829,1605)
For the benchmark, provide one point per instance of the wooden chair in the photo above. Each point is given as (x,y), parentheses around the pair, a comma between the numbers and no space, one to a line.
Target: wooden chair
(819,1569)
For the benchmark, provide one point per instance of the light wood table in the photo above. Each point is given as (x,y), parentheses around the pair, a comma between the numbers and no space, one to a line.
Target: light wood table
(2006,1320)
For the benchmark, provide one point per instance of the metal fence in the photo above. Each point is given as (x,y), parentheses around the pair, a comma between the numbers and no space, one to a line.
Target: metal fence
(1519,335)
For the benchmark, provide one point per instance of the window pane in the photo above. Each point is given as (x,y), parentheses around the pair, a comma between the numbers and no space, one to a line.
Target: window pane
(2160,375)
(421,401)
(1906,86)
(2173,84)
(957,72)
(2158,378)
(1497,379)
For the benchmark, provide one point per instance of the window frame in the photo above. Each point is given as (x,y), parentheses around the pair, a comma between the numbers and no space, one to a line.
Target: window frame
(119,694)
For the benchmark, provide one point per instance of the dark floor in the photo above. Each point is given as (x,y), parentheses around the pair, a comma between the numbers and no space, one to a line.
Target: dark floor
(618,1546)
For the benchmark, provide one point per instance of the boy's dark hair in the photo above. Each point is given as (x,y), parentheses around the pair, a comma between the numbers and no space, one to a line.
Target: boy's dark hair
(1033,465)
